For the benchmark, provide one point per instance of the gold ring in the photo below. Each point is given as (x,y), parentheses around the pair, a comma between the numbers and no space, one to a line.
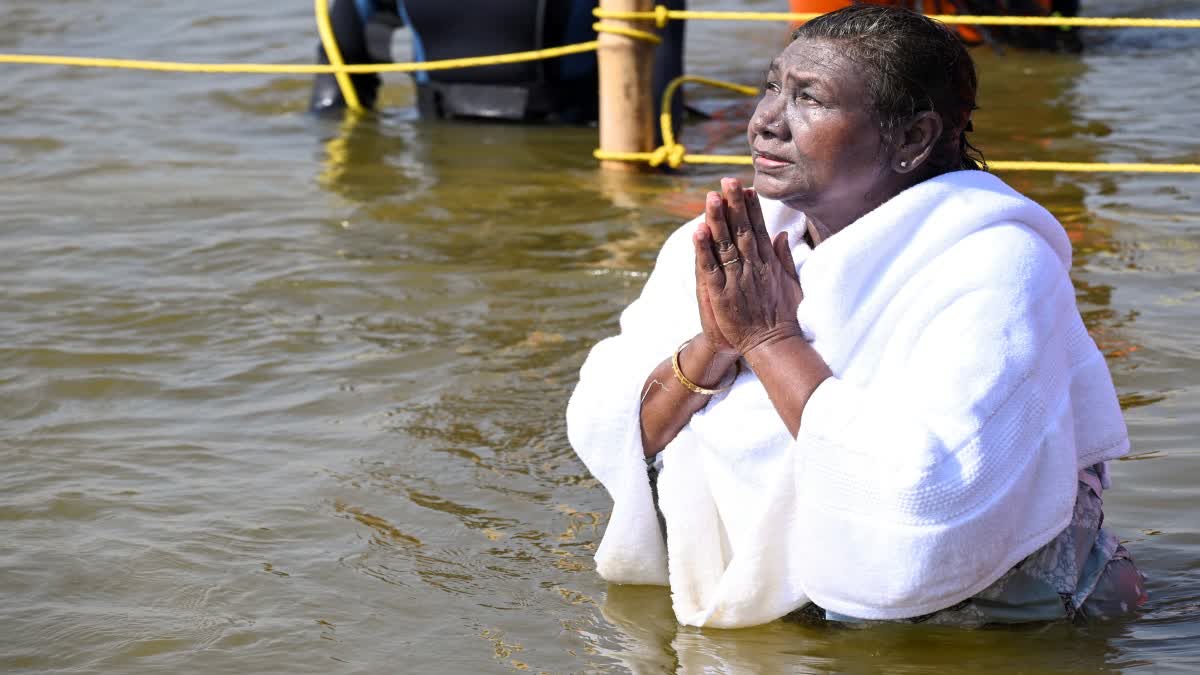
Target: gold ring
(735,260)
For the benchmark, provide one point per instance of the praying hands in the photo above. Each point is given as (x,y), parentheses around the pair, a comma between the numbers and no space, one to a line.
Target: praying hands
(747,287)
(747,293)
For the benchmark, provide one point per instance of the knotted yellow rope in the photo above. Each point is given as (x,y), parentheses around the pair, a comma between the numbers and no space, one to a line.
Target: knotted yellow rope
(671,152)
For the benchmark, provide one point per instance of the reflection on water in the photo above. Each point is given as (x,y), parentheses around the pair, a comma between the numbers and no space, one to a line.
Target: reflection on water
(285,394)
(653,643)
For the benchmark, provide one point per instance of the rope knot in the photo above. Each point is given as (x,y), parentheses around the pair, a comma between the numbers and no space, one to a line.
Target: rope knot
(672,155)
(660,16)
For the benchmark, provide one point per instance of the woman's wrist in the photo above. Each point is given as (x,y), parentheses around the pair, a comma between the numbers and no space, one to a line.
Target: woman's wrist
(704,364)
(765,350)
(765,339)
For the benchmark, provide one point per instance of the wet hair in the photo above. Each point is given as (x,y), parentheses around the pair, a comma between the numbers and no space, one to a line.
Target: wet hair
(913,64)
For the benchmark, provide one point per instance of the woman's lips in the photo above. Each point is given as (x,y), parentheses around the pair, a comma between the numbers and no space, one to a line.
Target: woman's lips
(764,160)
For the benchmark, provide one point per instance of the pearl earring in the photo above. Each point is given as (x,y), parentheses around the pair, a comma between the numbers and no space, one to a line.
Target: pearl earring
(903,163)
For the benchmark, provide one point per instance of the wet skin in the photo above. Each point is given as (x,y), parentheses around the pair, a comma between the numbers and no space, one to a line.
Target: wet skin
(816,143)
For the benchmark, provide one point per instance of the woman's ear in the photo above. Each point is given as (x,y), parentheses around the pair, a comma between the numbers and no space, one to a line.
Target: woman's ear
(917,140)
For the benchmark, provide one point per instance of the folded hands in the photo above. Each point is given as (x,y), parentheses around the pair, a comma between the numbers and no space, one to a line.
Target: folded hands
(747,287)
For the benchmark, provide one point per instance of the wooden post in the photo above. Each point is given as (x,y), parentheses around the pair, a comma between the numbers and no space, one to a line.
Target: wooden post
(626,102)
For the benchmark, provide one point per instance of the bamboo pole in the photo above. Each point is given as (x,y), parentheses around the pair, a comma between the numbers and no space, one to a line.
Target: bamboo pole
(626,105)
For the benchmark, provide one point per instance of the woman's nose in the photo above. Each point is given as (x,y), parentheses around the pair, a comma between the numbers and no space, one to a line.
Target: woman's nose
(767,121)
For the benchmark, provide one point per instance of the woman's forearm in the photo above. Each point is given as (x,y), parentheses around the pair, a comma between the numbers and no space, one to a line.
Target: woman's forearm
(790,370)
(667,405)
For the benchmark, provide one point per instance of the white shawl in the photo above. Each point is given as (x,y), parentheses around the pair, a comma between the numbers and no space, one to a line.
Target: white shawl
(966,396)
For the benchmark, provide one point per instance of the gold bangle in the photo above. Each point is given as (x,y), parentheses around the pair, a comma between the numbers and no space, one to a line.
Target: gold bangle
(737,369)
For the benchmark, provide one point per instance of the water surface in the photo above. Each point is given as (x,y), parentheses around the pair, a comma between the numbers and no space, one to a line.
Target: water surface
(280,394)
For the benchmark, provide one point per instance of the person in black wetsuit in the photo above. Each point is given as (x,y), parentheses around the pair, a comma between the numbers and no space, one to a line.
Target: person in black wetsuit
(557,90)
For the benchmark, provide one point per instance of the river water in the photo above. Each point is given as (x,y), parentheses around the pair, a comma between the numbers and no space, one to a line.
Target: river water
(280,394)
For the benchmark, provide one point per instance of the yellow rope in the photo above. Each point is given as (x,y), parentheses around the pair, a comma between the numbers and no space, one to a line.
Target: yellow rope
(690,159)
(1090,167)
(334,53)
(337,65)
(670,152)
(668,133)
(298,68)
(661,15)
(634,33)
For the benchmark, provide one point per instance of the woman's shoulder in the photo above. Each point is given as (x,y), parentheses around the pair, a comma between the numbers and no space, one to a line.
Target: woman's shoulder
(1009,257)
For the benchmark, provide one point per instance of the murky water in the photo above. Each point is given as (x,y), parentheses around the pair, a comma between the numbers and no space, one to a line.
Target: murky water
(280,394)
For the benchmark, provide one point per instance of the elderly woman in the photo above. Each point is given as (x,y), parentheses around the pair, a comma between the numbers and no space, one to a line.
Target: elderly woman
(862,387)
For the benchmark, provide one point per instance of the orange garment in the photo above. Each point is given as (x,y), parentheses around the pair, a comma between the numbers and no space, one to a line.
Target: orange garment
(969,34)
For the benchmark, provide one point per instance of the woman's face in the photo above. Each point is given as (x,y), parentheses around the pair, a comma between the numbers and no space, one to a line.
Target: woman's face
(816,144)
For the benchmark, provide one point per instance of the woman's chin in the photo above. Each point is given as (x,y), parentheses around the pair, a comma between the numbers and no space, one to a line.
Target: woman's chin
(768,186)
(771,187)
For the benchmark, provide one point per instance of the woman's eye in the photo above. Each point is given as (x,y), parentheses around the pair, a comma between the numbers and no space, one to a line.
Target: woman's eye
(772,87)
(806,97)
